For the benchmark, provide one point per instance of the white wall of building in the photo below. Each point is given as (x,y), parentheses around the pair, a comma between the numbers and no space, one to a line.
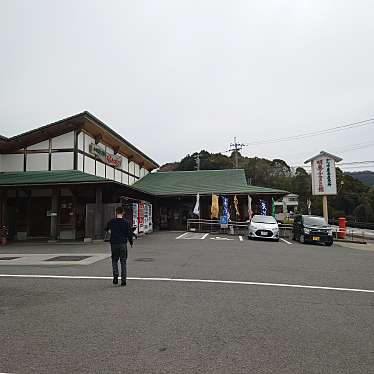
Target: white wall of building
(12,162)
(63,141)
(118,176)
(100,169)
(65,160)
(136,170)
(109,172)
(125,178)
(37,161)
(87,141)
(89,165)
(132,167)
(81,141)
(43,145)
(62,161)
(80,162)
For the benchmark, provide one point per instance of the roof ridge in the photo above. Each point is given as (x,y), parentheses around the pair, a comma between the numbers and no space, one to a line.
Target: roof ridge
(194,171)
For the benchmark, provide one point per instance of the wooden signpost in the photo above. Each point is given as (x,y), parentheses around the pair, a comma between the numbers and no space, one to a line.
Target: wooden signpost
(324,177)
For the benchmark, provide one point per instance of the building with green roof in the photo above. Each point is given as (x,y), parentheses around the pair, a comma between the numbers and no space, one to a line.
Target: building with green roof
(176,193)
(64,180)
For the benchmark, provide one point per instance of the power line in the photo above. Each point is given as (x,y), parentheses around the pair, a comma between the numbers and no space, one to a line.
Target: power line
(316,133)
(355,162)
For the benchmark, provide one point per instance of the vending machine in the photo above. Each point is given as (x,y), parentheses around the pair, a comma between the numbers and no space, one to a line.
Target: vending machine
(141,218)
(146,218)
(135,217)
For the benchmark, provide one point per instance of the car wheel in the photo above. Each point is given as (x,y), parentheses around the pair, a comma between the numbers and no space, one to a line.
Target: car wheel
(302,239)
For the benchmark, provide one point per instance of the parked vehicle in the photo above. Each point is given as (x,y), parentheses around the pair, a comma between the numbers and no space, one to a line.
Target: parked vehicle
(264,227)
(312,229)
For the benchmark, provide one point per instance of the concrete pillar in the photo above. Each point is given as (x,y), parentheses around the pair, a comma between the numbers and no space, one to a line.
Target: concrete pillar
(54,212)
(99,229)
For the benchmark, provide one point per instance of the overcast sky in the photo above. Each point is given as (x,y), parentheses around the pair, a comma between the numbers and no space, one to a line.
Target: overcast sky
(174,77)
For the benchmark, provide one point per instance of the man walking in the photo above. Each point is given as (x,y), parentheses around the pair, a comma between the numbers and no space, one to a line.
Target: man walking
(121,232)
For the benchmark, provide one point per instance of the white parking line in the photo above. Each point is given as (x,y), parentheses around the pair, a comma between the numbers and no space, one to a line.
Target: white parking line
(192,236)
(181,236)
(240,238)
(286,241)
(190,281)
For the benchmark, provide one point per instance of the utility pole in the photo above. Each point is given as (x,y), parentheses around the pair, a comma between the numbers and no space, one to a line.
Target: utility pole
(197,159)
(236,148)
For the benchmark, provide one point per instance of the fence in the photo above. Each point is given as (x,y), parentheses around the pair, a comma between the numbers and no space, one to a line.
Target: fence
(285,230)
(233,227)
(214,226)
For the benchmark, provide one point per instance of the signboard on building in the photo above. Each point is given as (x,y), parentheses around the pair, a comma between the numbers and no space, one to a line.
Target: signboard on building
(324,173)
(102,155)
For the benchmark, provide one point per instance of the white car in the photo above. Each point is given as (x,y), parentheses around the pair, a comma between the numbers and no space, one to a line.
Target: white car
(265,227)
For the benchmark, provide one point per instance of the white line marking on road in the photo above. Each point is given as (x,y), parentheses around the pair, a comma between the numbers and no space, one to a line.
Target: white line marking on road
(186,280)
(286,241)
(240,238)
(219,238)
(204,236)
(181,236)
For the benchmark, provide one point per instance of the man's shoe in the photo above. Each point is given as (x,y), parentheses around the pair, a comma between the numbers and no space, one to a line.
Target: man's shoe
(115,280)
(123,282)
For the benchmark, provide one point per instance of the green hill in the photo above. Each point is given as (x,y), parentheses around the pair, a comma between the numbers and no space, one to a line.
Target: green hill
(366,177)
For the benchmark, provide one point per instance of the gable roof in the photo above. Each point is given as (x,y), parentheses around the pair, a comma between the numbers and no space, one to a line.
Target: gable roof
(204,182)
(84,120)
(326,154)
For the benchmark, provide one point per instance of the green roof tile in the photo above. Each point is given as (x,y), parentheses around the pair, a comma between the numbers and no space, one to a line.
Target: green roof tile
(47,177)
(227,181)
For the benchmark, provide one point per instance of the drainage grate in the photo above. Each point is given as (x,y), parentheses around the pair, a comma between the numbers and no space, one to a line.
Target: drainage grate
(8,258)
(68,258)
(144,259)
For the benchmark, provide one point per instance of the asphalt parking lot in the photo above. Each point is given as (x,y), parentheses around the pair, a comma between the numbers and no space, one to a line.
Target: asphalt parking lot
(196,304)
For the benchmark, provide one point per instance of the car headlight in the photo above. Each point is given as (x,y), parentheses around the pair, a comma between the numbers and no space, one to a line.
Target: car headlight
(306,231)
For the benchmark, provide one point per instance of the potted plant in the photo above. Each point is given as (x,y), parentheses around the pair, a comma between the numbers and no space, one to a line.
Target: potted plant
(3,234)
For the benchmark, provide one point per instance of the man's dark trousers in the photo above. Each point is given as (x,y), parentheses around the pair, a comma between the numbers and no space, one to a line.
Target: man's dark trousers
(119,252)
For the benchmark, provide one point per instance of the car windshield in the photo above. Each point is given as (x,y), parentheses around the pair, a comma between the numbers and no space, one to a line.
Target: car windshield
(314,221)
(264,219)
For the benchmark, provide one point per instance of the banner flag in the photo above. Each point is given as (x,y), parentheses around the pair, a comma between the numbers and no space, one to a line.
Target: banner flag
(273,207)
(215,207)
(196,210)
(236,203)
(250,213)
(226,212)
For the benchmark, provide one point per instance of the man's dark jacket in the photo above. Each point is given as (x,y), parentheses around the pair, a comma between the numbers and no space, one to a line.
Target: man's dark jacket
(120,231)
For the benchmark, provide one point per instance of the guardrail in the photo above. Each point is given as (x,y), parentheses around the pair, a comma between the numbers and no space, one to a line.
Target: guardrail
(351,235)
(233,227)
(214,226)
(285,230)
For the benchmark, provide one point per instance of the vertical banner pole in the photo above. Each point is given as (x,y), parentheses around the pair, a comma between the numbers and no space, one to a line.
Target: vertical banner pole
(325,209)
